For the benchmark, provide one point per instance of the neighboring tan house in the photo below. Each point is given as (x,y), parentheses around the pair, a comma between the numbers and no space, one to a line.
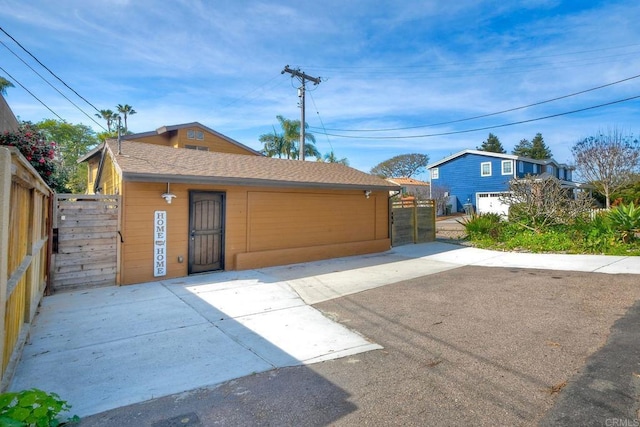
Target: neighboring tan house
(206,211)
(8,121)
(477,179)
(412,187)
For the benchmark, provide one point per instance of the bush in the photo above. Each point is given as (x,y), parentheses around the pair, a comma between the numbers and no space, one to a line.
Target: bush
(32,408)
(37,150)
(625,221)
(481,224)
(597,235)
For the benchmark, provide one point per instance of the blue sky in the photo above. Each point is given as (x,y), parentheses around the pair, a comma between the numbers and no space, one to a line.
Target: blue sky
(384,65)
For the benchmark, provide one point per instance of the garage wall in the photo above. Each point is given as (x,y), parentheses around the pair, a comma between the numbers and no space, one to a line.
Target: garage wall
(263,226)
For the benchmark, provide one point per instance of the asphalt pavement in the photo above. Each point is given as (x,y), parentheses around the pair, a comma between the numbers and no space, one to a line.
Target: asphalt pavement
(110,348)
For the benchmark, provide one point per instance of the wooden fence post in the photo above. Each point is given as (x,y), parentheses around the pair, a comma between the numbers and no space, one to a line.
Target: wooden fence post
(5,197)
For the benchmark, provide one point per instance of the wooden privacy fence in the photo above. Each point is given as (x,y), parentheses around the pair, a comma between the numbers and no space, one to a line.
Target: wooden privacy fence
(24,252)
(85,229)
(413,221)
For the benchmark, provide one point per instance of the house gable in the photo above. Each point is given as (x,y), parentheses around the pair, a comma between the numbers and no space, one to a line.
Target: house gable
(192,136)
(8,121)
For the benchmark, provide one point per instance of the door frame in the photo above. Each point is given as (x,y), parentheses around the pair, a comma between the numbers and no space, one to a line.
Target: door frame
(223,204)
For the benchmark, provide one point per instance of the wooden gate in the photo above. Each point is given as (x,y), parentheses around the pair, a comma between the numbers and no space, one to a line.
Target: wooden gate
(413,222)
(85,237)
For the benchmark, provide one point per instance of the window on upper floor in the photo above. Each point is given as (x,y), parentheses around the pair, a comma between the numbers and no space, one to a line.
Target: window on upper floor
(561,173)
(199,135)
(568,175)
(507,167)
(191,134)
(485,169)
(536,168)
(520,167)
(435,173)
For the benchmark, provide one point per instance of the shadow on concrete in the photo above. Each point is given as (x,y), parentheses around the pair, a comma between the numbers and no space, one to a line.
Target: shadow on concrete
(106,348)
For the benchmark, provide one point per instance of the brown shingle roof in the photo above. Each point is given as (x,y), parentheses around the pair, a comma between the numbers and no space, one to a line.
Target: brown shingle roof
(150,162)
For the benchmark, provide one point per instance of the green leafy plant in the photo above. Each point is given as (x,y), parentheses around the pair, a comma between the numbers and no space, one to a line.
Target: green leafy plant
(625,220)
(33,408)
(481,224)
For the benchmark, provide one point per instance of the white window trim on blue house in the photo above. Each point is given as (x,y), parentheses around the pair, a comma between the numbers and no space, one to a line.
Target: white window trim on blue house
(435,173)
(482,169)
(509,164)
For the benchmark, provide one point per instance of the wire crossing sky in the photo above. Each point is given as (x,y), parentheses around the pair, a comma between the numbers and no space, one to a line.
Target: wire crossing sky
(420,76)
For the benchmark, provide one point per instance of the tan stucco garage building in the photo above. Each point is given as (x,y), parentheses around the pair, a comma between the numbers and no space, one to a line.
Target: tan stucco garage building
(232,211)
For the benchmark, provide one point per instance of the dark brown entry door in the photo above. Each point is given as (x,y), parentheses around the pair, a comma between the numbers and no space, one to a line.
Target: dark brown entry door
(206,231)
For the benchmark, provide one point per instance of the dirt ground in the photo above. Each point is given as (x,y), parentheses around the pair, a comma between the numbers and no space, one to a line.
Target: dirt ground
(470,346)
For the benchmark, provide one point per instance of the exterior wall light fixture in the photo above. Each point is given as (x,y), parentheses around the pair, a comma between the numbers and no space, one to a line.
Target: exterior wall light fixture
(168,196)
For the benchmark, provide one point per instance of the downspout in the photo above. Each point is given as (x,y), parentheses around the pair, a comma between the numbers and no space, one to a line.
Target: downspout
(391,215)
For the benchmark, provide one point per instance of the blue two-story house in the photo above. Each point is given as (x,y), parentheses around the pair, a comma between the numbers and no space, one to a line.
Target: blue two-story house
(478,178)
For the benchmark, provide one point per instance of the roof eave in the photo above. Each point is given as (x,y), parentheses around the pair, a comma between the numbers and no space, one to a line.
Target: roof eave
(190,179)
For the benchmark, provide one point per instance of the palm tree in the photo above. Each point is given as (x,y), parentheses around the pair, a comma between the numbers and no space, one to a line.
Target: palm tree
(4,84)
(273,144)
(109,116)
(286,144)
(331,157)
(126,110)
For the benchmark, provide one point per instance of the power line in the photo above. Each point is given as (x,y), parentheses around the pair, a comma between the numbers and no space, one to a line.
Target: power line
(55,88)
(51,72)
(489,127)
(30,93)
(487,115)
(321,122)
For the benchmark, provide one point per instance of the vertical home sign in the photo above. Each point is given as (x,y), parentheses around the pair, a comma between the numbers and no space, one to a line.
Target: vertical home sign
(160,243)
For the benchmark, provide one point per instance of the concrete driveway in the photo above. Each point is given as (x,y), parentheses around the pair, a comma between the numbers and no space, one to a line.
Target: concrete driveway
(106,348)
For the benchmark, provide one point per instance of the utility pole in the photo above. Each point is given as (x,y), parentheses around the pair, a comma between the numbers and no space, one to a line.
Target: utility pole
(301,90)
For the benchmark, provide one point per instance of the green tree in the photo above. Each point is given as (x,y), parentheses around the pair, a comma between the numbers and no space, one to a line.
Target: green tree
(4,84)
(331,157)
(109,116)
(629,193)
(534,149)
(274,145)
(403,165)
(73,141)
(126,110)
(492,144)
(539,149)
(608,161)
(285,144)
(522,148)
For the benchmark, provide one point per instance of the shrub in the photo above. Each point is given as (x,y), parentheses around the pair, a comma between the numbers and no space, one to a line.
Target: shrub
(481,224)
(32,408)
(36,149)
(625,221)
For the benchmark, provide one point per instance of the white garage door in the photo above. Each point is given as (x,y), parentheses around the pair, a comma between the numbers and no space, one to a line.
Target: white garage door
(490,203)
